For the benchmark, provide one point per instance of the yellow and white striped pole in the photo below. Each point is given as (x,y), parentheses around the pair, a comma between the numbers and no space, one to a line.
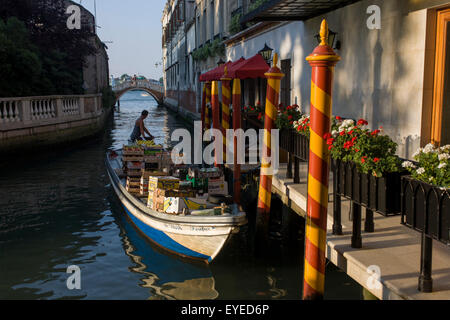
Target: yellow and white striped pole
(323,61)
(226,100)
(274,76)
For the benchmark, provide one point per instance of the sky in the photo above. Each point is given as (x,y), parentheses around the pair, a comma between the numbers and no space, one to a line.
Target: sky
(134,27)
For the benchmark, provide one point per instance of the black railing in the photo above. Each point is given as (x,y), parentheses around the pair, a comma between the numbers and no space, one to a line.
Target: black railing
(426,209)
(297,146)
(381,195)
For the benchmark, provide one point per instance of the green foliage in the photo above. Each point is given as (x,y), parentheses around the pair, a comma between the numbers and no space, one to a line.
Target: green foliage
(39,55)
(216,48)
(19,60)
(433,165)
(255,5)
(235,24)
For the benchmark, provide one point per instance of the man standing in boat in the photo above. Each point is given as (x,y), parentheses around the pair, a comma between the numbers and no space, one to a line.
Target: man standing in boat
(140,129)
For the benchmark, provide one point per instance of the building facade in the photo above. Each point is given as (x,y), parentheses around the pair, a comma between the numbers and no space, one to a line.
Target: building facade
(393,74)
(194,32)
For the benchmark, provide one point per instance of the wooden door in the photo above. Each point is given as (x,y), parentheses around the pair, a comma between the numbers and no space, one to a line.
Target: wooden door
(440,118)
(285,94)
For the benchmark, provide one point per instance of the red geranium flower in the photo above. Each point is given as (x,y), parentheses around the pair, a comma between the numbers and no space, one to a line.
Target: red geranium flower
(338,118)
(342,133)
(327,136)
(362,122)
(375,132)
(290,118)
(330,141)
(376,160)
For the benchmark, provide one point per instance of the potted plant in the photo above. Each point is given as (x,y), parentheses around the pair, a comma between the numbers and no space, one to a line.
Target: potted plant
(426,192)
(367,168)
(253,116)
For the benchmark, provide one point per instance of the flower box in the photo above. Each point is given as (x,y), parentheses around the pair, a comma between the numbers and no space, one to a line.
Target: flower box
(426,208)
(380,195)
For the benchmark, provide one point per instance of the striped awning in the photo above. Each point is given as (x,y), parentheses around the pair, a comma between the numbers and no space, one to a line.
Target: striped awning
(291,10)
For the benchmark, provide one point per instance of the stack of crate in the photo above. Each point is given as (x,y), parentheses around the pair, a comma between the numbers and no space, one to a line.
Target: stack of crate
(132,159)
(133,185)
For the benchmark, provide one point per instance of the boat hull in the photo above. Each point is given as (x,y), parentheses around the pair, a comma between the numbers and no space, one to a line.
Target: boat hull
(195,240)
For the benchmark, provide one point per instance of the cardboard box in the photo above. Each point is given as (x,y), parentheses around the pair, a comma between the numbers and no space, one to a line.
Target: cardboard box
(175,205)
(151,173)
(176,193)
(166,183)
(205,173)
(218,187)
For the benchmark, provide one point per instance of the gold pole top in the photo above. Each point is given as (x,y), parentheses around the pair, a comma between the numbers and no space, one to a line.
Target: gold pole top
(324,32)
(275,59)
(226,71)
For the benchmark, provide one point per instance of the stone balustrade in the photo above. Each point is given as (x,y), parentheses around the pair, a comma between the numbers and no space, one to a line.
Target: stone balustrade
(17,113)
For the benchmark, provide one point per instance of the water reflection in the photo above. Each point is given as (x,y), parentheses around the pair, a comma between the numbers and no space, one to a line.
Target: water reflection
(58,209)
(166,276)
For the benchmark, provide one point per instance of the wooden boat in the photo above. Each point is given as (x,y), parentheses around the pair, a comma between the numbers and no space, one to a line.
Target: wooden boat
(198,235)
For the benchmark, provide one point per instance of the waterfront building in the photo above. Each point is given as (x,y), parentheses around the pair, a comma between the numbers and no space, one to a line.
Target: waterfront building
(390,50)
(96,66)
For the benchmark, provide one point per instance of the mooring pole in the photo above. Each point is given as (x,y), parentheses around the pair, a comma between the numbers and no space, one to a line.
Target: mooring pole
(322,61)
(274,76)
(208,105)
(215,114)
(226,100)
(236,126)
(203,111)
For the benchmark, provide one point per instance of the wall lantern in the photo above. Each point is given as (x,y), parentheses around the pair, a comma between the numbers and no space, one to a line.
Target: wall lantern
(266,53)
(331,40)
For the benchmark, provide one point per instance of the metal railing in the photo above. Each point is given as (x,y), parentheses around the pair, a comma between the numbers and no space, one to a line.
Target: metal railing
(426,209)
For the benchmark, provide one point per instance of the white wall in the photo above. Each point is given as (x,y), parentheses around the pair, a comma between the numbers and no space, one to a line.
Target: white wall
(381,74)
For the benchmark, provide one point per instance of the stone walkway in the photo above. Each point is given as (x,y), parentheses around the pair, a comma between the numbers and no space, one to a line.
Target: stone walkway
(393,248)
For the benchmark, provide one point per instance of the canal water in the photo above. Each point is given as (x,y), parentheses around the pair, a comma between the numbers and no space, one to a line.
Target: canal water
(58,209)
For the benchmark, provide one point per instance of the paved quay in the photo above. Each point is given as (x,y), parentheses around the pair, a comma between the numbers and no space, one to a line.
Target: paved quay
(393,248)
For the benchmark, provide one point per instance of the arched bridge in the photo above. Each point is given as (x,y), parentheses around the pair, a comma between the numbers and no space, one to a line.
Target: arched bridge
(155,90)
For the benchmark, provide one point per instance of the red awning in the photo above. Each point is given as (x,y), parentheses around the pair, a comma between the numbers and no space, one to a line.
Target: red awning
(254,67)
(217,73)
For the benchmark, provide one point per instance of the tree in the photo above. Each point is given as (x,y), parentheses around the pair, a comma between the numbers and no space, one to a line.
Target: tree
(49,58)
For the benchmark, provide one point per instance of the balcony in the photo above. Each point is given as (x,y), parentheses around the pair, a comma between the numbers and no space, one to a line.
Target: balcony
(286,10)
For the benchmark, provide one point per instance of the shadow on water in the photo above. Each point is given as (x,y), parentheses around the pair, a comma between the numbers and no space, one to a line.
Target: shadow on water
(58,209)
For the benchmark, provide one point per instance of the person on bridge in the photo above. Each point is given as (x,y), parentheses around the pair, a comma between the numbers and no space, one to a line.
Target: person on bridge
(140,129)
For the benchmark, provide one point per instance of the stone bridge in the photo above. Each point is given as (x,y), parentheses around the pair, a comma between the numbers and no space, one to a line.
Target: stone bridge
(155,90)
